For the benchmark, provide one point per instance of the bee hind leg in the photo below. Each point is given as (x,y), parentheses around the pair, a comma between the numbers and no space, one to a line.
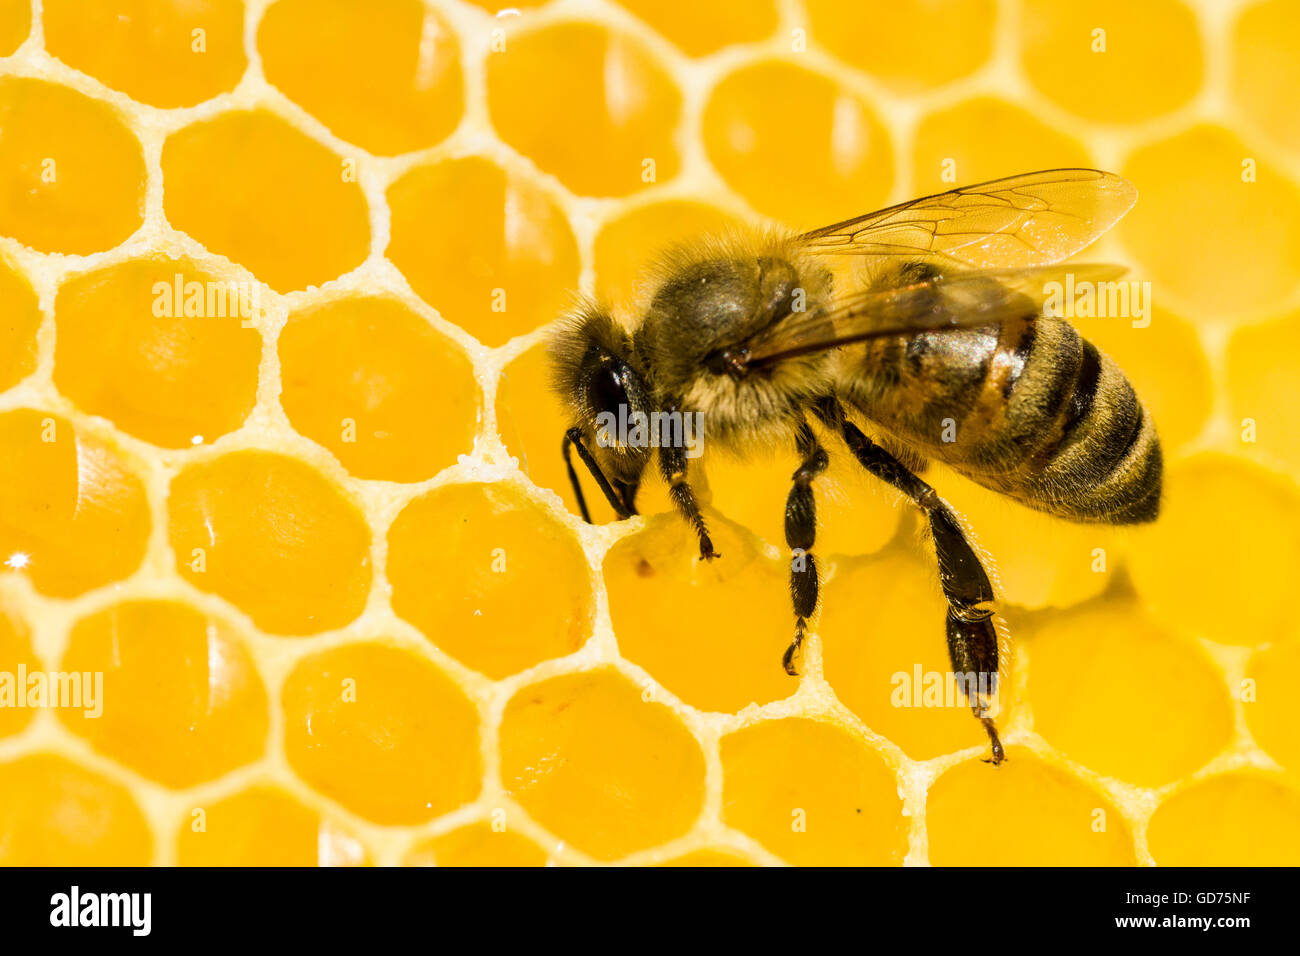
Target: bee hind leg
(800,534)
(972,639)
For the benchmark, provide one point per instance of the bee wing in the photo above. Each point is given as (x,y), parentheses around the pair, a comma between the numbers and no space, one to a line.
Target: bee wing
(1029,220)
(960,300)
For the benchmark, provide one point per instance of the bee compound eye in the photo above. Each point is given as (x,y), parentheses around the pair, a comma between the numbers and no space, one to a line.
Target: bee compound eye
(607,392)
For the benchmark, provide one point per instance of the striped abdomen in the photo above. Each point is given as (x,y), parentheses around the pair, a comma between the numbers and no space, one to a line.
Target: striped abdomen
(1026,408)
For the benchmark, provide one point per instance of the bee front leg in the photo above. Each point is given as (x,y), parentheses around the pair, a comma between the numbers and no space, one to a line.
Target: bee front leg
(972,639)
(672,463)
(800,535)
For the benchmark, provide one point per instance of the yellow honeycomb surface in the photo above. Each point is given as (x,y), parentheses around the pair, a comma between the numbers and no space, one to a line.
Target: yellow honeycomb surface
(289,564)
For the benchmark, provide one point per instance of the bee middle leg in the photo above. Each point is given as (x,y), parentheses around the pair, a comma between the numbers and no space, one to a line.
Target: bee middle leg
(972,639)
(800,534)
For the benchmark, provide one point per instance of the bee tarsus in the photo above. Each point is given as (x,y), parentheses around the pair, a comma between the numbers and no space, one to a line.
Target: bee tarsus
(788,658)
(998,754)
(672,463)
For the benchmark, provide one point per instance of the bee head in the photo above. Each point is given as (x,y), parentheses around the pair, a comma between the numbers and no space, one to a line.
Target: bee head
(594,371)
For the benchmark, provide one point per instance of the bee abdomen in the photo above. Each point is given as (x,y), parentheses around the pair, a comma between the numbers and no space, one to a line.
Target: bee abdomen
(1099,458)
(1072,438)
(1028,409)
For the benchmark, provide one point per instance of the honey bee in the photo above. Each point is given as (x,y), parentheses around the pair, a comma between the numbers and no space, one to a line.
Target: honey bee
(939,347)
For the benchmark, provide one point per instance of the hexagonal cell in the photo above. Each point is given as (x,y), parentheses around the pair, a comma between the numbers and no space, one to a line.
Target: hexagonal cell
(384,74)
(1240,819)
(169,53)
(1223,559)
(885,654)
(486,248)
(616,132)
(246,167)
(1023,813)
(262,826)
(627,245)
(704,28)
(15,24)
(713,632)
(1265,47)
(73,173)
(178,697)
(72,515)
(53,813)
(274,537)
(15,652)
(986,138)
(1115,691)
(490,578)
(476,845)
(159,346)
(371,381)
(707,857)
(1263,388)
(797,145)
(382,731)
(1112,61)
(910,45)
(1233,251)
(598,765)
(813,794)
(19,306)
(1270,706)
(1166,364)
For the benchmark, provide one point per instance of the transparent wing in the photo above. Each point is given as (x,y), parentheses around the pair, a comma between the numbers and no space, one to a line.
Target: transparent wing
(956,301)
(1029,220)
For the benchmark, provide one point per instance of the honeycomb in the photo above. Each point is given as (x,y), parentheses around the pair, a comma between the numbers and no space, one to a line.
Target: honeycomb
(279,464)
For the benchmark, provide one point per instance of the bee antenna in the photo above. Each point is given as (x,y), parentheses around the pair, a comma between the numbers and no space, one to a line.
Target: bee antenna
(573,477)
(573,437)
